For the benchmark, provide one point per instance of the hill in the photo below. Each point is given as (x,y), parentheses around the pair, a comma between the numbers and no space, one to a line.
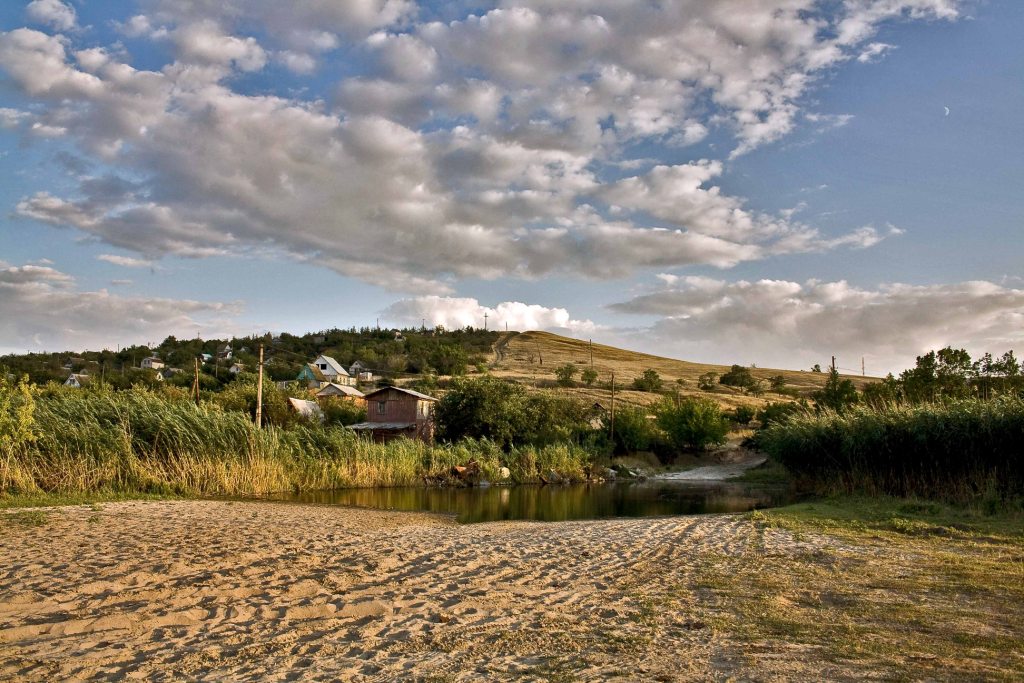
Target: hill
(531,358)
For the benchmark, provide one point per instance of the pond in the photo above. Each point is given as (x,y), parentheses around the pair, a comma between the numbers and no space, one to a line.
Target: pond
(557,503)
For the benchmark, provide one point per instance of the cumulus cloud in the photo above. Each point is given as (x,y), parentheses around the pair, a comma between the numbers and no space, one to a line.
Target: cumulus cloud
(457,313)
(466,148)
(53,13)
(42,309)
(793,322)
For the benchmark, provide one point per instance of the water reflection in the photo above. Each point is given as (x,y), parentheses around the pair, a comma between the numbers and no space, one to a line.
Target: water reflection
(557,503)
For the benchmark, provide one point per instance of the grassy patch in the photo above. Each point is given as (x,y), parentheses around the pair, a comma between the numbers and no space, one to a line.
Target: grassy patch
(27,518)
(771,472)
(38,500)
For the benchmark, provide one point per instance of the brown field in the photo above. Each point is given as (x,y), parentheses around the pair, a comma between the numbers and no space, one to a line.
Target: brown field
(531,358)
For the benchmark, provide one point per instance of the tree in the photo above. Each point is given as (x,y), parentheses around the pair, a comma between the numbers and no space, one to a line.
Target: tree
(953,372)
(743,414)
(837,393)
(816,367)
(565,373)
(693,423)
(589,376)
(880,394)
(778,383)
(649,381)
(707,381)
(633,430)
(738,376)
(482,408)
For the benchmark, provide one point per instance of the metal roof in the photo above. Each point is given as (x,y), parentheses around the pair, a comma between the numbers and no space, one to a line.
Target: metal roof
(417,394)
(334,365)
(347,390)
(368,426)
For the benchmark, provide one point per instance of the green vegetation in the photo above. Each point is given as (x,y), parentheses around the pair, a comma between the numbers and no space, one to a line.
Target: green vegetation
(959,449)
(506,414)
(649,381)
(692,423)
(738,376)
(565,374)
(589,376)
(73,442)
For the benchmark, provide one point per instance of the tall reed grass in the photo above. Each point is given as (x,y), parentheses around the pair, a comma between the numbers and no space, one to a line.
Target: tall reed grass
(956,449)
(143,441)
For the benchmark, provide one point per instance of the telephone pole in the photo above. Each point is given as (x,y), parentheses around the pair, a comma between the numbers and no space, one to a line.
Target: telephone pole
(612,435)
(590,344)
(195,380)
(485,322)
(259,393)
(862,373)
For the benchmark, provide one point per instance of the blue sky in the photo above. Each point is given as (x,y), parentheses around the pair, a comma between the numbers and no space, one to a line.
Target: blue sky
(734,181)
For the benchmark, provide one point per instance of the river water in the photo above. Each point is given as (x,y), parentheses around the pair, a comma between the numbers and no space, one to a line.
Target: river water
(556,503)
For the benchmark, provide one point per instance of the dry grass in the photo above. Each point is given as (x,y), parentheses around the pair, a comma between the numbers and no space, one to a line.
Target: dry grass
(531,358)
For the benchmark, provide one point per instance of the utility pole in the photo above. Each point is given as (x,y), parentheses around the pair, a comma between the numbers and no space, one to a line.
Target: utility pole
(259,393)
(590,343)
(612,435)
(195,380)
(485,321)
(862,373)
(833,363)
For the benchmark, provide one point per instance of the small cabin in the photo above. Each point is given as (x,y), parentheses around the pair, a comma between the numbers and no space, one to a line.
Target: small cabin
(152,363)
(395,411)
(312,377)
(77,380)
(332,370)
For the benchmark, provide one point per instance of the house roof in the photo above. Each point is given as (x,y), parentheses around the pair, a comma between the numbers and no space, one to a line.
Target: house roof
(333,388)
(382,426)
(332,364)
(317,375)
(417,394)
(305,408)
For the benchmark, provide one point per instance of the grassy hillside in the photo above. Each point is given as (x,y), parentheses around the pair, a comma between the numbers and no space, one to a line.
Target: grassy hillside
(531,358)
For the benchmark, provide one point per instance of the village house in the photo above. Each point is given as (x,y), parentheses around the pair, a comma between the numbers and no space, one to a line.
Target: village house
(333,370)
(224,352)
(392,412)
(236,368)
(152,363)
(77,380)
(341,391)
(312,377)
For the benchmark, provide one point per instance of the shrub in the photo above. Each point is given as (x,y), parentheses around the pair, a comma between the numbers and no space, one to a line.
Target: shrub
(649,381)
(565,373)
(343,412)
(778,412)
(589,376)
(693,423)
(743,415)
(707,381)
(634,431)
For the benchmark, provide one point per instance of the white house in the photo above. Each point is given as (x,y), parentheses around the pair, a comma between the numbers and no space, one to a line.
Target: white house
(76,380)
(236,368)
(152,363)
(224,351)
(332,370)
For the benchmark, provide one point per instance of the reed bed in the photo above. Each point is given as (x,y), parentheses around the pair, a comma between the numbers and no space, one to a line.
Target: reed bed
(957,449)
(145,442)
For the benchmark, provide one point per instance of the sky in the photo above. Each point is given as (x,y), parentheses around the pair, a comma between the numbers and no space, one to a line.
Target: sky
(766,182)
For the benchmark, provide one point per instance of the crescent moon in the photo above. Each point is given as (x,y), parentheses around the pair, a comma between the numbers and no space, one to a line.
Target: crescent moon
(947,110)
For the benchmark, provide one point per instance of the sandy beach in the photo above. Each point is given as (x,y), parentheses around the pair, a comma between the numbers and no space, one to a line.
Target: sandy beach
(200,590)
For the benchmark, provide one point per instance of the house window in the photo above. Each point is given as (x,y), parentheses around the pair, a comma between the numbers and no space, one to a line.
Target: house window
(382,407)
(323,366)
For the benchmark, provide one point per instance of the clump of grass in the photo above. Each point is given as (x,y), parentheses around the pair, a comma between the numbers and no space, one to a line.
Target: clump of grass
(960,450)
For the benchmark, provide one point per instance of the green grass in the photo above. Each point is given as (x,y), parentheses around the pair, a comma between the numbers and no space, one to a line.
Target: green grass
(957,450)
(102,445)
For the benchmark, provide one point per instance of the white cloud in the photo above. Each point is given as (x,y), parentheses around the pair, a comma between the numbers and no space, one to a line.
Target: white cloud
(789,324)
(873,52)
(53,13)
(125,261)
(41,309)
(470,148)
(12,118)
(457,313)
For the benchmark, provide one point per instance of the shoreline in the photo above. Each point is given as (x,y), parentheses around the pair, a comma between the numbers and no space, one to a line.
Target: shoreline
(206,590)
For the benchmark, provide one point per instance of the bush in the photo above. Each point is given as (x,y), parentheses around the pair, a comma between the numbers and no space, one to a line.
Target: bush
(565,373)
(778,412)
(743,415)
(589,376)
(634,431)
(342,411)
(693,423)
(707,381)
(649,381)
